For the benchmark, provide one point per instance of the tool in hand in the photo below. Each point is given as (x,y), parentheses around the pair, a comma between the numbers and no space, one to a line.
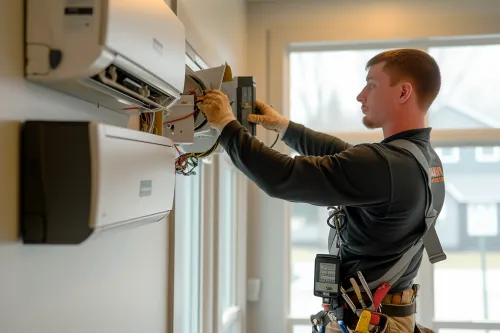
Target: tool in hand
(367,289)
(358,292)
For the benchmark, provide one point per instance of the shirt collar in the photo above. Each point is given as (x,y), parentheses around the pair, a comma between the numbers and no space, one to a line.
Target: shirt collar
(417,133)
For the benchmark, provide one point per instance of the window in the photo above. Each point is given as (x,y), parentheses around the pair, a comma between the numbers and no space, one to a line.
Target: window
(469,93)
(468,225)
(192,64)
(444,213)
(482,220)
(448,230)
(487,154)
(449,155)
(324,86)
(308,237)
(471,215)
(187,298)
(210,243)
(228,251)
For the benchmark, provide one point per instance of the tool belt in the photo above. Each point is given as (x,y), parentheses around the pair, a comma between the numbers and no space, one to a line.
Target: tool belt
(400,304)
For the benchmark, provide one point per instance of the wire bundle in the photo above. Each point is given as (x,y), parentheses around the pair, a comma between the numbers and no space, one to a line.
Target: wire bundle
(186,163)
(148,122)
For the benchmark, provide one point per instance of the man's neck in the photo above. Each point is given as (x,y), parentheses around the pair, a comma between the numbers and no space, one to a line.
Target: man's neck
(398,127)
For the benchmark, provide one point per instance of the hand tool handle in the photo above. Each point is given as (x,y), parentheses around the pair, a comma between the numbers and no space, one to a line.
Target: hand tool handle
(365,285)
(364,322)
(380,293)
(348,300)
(358,292)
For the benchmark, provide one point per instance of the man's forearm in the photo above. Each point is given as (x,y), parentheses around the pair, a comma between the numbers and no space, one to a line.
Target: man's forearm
(311,143)
(340,179)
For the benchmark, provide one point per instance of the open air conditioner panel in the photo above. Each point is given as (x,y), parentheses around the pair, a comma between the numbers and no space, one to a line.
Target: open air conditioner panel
(184,113)
(141,96)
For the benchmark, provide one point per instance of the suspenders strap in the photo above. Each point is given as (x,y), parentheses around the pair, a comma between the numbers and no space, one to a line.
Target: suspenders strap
(429,239)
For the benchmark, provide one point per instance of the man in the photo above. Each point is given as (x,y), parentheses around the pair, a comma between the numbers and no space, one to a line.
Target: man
(381,186)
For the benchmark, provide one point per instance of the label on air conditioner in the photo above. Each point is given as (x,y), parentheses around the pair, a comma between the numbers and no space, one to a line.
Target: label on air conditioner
(79,15)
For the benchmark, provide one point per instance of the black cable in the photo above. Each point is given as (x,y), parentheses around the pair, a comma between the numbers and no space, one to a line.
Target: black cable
(277,137)
(203,123)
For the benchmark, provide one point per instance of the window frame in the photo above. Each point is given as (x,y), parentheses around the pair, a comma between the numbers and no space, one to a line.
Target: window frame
(233,314)
(278,94)
(183,288)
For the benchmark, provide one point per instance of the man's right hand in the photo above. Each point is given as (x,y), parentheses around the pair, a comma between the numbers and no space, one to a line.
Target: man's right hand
(269,118)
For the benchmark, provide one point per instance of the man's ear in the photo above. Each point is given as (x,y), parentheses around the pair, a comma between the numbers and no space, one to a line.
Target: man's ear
(406,91)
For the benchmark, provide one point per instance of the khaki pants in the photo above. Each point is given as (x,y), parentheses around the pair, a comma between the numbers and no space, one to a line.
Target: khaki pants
(394,325)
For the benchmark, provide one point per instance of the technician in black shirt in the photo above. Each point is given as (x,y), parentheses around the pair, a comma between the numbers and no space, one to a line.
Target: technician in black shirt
(381,186)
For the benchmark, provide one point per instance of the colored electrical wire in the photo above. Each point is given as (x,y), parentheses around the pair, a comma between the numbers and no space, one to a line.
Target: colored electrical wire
(186,163)
(178,119)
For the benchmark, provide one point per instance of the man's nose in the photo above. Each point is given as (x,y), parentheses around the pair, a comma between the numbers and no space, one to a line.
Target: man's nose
(360,98)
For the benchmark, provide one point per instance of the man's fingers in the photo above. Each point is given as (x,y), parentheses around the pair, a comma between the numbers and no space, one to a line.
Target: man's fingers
(211,98)
(253,118)
(263,108)
(207,106)
(213,92)
(259,105)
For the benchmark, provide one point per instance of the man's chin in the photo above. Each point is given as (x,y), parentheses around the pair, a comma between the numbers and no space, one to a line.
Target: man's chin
(369,124)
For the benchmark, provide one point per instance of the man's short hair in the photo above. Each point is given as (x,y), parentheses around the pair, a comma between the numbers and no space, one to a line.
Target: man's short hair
(413,65)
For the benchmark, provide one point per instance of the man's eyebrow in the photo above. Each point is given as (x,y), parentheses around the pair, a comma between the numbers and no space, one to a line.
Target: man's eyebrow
(369,78)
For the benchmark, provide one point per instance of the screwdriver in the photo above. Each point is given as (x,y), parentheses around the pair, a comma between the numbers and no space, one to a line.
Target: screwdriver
(364,322)
(358,292)
(367,289)
(348,300)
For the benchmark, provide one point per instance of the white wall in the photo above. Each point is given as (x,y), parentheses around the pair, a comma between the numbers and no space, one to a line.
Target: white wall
(114,284)
(216,29)
(274,25)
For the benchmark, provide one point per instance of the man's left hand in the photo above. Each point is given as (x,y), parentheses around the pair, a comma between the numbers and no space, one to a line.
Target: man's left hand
(217,109)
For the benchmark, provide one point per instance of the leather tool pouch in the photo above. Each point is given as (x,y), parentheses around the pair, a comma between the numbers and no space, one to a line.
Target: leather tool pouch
(421,329)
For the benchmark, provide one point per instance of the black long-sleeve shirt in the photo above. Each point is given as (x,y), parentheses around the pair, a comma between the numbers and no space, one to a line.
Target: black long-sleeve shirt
(381,187)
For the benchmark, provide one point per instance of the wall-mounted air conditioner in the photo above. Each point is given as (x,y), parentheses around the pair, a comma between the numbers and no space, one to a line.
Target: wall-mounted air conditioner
(124,55)
(81,178)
